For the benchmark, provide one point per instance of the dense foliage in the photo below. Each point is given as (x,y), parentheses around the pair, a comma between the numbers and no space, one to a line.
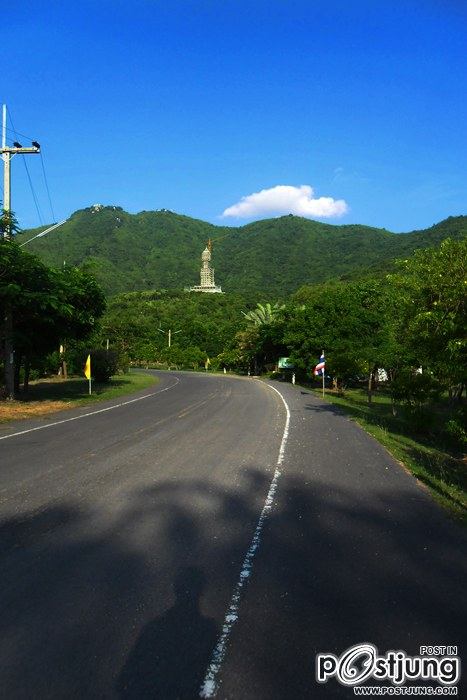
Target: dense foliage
(161,250)
(45,307)
(432,314)
(411,324)
(409,320)
(414,318)
(202,326)
(349,321)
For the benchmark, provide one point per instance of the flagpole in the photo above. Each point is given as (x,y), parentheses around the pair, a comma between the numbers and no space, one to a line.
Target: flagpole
(323,371)
(87,372)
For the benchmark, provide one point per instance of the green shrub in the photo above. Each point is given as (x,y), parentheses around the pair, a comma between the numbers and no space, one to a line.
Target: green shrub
(414,389)
(104,364)
(455,431)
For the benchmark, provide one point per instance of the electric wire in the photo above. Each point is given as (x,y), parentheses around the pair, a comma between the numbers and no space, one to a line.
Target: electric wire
(33,192)
(47,188)
(17,133)
(36,203)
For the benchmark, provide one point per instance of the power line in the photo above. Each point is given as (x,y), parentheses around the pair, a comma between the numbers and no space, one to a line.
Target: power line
(17,133)
(36,203)
(47,188)
(33,193)
(43,233)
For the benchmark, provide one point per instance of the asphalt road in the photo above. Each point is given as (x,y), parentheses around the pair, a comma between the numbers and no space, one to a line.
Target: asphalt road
(123,535)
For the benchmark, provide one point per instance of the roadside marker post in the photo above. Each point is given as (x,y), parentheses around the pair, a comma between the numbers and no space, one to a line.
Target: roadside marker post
(87,373)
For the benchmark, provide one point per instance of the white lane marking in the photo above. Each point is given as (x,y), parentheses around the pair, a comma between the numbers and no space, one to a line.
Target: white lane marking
(210,683)
(92,413)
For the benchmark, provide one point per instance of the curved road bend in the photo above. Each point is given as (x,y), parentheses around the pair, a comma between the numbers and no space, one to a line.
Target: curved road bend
(123,533)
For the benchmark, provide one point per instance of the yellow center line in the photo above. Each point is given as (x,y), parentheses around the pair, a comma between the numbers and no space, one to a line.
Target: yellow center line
(191,408)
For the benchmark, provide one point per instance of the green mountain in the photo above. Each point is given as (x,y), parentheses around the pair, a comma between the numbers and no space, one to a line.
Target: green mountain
(162,250)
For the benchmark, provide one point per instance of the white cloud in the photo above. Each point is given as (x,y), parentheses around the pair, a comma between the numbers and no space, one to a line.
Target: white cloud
(286,199)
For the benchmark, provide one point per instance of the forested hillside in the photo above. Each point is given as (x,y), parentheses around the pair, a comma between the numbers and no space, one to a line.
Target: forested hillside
(161,250)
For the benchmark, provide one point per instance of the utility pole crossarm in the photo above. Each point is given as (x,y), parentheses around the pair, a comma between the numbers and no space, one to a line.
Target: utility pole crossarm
(12,150)
(7,153)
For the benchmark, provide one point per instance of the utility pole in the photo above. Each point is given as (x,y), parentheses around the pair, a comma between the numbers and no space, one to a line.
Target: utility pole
(8,152)
(169,333)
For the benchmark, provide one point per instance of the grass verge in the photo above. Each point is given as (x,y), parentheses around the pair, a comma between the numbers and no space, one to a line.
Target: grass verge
(441,469)
(50,395)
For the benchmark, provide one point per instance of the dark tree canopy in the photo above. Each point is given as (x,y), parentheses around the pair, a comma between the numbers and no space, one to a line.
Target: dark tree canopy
(47,306)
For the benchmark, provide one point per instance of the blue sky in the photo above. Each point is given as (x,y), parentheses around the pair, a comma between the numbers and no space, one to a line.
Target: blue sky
(191,105)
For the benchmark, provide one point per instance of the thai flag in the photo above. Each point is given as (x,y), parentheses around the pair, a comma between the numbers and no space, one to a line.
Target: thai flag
(319,369)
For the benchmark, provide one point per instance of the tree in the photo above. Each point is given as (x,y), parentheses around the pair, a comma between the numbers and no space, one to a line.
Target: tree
(350,321)
(262,339)
(264,314)
(432,289)
(205,321)
(8,224)
(47,306)
(193,357)
(231,359)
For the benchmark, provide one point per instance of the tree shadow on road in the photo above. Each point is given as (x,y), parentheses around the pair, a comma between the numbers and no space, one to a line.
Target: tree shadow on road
(129,606)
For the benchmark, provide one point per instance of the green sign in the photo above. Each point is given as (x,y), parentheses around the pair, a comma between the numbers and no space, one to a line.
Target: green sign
(284,363)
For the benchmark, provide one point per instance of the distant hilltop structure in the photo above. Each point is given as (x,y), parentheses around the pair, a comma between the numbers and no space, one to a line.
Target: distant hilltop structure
(207,274)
